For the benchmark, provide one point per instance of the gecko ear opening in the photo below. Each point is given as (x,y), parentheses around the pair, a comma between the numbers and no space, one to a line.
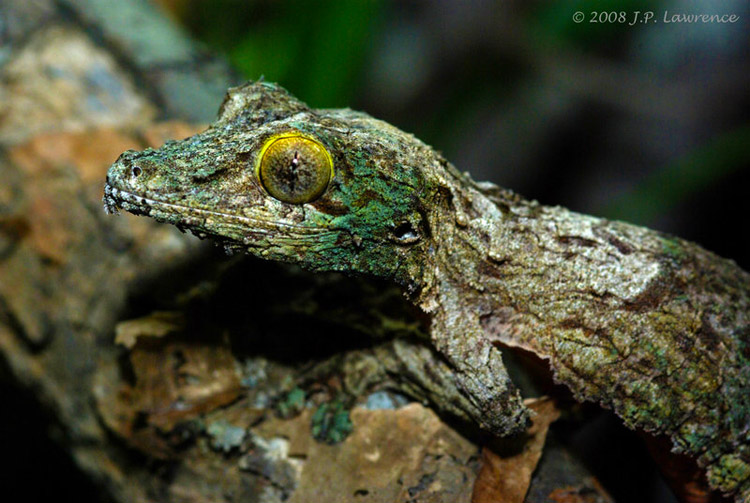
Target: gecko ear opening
(412,229)
(406,233)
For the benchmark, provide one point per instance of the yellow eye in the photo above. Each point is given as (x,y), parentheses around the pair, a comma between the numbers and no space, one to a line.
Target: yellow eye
(294,168)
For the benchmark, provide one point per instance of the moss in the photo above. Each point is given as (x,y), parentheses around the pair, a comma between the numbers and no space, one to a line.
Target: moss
(728,472)
(672,248)
(292,404)
(331,423)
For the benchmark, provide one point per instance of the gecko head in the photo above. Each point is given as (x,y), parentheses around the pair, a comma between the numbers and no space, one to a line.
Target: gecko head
(326,189)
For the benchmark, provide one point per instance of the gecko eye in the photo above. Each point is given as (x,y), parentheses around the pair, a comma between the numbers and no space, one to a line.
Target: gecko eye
(294,168)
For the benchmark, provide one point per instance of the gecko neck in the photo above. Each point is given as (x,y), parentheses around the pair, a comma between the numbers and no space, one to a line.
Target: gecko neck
(468,260)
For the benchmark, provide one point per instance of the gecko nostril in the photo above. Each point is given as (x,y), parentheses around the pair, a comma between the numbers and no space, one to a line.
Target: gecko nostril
(136,171)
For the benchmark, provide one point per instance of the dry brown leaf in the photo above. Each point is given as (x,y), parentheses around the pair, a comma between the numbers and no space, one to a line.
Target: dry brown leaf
(506,479)
(399,455)
(156,324)
(175,381)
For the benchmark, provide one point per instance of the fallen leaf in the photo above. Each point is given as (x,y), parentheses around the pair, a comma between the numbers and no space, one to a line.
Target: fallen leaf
(399,455)
(156,324)
(506,478)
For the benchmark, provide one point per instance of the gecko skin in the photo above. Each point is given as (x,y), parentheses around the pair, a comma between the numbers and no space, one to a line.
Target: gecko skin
(651,326)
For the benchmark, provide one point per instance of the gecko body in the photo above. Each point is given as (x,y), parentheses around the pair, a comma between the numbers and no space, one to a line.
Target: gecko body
(649,325)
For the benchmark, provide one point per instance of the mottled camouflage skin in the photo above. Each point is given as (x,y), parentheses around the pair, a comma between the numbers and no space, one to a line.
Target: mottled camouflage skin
(651,326)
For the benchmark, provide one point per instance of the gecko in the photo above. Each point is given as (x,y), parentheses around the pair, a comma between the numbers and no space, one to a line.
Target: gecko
(646,324)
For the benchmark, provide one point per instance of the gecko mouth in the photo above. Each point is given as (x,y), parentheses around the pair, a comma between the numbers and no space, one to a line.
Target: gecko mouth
(116,199)
(202,222)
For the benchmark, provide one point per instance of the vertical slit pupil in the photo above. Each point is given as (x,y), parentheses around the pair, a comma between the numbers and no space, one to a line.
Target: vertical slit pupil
(293,166)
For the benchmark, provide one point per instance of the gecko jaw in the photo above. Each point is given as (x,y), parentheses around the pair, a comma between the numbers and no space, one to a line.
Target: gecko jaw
(116,199)
(111,206)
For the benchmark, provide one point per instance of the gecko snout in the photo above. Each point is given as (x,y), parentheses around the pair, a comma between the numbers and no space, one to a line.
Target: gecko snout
(133,172)
(131,180)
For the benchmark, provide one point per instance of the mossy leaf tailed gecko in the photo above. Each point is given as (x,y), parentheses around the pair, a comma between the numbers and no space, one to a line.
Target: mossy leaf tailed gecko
(649,325)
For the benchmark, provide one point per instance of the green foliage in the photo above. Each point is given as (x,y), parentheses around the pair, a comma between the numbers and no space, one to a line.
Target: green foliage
(316,49)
